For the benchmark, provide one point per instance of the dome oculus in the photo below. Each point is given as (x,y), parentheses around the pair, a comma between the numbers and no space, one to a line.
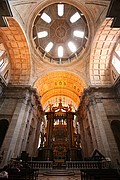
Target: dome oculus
(60,33)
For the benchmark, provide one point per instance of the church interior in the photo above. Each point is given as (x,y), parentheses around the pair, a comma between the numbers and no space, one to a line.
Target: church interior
(60,88)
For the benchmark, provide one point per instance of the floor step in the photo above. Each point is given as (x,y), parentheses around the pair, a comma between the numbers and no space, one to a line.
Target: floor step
(58,172)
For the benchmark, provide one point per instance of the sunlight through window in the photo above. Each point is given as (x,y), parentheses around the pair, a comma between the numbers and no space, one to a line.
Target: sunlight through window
(72,47)
(2,49)
(1,52)
(75,17)
(53,29)
(79,34)
(1,63)
(49,47)
(116,64)
(60,51)
(42,34)
(60,9)
(118,52)
(46,18)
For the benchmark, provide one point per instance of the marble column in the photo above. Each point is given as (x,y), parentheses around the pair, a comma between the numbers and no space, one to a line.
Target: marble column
(107,136)
(92,130)
(95,121)
(23,129)
(13,131)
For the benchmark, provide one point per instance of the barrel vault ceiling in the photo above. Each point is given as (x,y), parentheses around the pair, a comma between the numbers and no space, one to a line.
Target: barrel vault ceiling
(65,80)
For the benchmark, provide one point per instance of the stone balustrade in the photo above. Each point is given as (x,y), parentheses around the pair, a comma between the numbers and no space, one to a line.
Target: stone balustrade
(41,164)
(70,164)
(86,165)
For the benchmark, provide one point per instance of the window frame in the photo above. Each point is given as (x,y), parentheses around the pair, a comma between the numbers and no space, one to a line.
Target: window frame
(116,55)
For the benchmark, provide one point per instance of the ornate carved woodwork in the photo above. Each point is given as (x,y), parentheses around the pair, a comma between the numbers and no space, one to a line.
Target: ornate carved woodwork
(62,142)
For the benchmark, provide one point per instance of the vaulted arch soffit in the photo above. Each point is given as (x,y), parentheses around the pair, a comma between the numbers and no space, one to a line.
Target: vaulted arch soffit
(17,46)
(100,60)
(60,83)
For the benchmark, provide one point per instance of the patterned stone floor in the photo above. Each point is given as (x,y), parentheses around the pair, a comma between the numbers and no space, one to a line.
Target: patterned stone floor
(59,177)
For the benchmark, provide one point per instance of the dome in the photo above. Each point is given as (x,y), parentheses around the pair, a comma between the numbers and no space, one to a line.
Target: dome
(60,33)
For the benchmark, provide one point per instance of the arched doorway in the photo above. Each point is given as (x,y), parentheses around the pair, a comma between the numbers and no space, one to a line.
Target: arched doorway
(3,129)
(115,125)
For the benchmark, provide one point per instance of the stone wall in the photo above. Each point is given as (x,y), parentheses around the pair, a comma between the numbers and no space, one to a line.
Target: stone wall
(20,106)
(98,108)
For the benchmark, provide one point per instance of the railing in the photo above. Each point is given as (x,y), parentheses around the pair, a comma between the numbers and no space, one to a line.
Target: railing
(86,165)
(41,164)
(70,164)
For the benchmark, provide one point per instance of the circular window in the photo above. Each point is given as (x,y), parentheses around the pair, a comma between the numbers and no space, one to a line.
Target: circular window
(60,33)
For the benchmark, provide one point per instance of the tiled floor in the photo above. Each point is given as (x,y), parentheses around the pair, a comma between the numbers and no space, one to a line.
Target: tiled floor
(59,178)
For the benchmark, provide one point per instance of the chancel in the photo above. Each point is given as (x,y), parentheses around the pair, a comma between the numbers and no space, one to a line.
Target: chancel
(60,127)
(60,89)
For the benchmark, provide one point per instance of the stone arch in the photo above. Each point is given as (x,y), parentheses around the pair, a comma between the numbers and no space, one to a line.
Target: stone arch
(14,39)
(100,59)
(60,83)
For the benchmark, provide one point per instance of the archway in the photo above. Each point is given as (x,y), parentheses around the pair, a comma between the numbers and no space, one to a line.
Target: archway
(15,41)
(3,129)
(62,85)
(115,125)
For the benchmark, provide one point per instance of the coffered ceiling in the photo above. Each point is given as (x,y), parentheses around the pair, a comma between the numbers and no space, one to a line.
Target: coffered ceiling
(92,67)
(60,83)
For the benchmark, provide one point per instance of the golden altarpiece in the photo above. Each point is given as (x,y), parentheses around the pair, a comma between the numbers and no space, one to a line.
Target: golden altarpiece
(62,140)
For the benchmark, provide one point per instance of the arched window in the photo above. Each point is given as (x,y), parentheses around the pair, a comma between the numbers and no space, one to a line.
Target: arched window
(3,57)
(3,129)
(115,125)
(116,58)
(1,62)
